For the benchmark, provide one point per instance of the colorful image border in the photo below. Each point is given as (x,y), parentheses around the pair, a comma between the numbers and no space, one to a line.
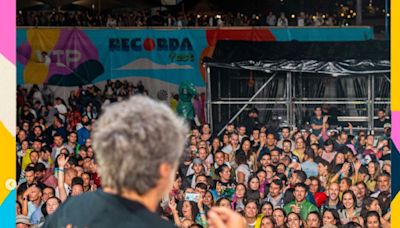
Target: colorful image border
(395,107)
(8,112)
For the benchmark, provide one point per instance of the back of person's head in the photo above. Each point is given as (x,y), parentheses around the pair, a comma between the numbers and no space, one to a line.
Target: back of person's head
(301,176)
(309,153)
(322,161)
(201,186)
(77,181)
(73,161)
(328,142)
(240,157)
(39,167)
(351,225)
(348,181)
(133,135)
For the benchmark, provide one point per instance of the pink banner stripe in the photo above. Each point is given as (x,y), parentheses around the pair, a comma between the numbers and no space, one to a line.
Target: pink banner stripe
(396,128)
(7,30)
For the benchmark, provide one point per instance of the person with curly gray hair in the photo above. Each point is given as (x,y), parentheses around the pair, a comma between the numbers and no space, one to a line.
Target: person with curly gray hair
(138,144)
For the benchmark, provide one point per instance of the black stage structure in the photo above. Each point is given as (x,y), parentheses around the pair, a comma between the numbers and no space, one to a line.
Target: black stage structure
(286,80)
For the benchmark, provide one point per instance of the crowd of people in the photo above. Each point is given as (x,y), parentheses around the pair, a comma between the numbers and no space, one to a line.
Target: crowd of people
(285,177)
(143,18)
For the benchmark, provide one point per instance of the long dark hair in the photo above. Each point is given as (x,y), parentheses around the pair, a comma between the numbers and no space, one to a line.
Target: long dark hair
(352,196)
(367,203)
(240,158)
(44,206)
(318,216)
(335,215)
(194,209)
(250,152)
(298,216)
(373,214)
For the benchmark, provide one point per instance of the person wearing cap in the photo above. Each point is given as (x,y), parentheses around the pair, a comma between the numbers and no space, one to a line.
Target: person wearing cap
(196,168)
(22,221)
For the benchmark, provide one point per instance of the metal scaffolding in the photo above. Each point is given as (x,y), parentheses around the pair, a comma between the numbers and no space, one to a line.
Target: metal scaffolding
(290,102)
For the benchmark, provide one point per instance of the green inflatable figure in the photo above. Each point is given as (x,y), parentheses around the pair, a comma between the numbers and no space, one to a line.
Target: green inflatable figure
(185,107)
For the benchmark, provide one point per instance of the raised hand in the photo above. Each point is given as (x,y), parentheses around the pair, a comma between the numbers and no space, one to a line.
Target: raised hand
(350,125)
(357,165)
(61,160)
(172,205)
(222,217)
(325,119)
(295,209)
(200,203)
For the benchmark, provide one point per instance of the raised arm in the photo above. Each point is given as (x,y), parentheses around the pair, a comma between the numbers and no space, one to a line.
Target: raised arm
(61,164)
(324,128)
(172,206)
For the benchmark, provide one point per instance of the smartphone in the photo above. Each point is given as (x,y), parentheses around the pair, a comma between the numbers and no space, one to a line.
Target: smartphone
(194,197)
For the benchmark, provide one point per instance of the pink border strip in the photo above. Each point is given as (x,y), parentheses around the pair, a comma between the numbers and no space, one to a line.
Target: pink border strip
(396,128)
(8,33)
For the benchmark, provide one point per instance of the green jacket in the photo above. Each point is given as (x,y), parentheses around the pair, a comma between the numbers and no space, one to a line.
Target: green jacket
(305,208)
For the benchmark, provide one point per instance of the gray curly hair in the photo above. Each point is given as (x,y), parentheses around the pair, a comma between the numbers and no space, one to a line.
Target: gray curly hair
(133,138)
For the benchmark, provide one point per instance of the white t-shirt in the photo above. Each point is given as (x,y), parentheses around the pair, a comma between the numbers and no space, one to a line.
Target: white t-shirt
(228,149)
(67,190)
(300,22)
(62,110)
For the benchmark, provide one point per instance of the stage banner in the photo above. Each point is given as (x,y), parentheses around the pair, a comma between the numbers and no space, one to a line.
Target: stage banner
(69,57)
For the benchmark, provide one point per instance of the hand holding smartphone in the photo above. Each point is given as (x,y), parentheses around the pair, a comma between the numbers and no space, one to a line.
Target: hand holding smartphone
(194,197)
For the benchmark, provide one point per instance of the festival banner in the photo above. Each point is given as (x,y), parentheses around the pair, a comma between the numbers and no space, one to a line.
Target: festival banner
(69,57)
